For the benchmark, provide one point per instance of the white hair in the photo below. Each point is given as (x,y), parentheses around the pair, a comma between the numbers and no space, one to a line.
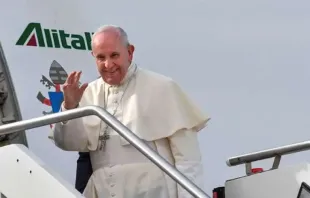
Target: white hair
(109,28)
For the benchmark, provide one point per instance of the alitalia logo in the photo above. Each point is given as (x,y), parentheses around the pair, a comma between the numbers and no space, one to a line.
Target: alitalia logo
(35,35)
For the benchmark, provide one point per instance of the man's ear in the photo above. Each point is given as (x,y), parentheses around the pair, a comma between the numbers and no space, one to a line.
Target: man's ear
(131,50)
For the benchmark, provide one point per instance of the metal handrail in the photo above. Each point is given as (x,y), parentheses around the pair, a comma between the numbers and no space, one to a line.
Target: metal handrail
(119,128)
(269,153)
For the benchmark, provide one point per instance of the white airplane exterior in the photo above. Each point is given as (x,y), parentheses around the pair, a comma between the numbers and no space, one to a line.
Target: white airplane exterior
(42,42)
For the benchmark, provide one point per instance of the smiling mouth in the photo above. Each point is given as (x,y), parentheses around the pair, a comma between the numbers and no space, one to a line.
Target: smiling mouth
(111,72)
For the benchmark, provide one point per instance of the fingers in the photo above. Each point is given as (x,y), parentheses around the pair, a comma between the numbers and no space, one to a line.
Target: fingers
(83,87)
(74,78)
(70,78)
(77,78)
(65,86)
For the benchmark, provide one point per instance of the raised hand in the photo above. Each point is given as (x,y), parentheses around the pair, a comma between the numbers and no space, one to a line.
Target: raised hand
(72,91)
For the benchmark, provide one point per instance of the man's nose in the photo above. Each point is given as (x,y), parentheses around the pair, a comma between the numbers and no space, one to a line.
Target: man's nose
(109,63)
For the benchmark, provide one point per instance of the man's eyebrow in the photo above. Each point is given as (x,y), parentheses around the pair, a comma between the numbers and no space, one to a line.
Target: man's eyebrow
(99,55)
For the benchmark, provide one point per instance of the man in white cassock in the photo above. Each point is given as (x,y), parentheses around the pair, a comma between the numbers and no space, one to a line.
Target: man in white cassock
(151,105)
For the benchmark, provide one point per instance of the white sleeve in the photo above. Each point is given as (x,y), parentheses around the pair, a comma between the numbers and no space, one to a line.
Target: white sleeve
(185,150)
(70,135)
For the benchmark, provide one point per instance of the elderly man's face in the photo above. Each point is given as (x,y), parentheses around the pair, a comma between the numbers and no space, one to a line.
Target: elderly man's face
(112,57)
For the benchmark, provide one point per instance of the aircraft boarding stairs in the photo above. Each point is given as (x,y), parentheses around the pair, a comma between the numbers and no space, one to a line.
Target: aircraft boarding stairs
(23,175)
